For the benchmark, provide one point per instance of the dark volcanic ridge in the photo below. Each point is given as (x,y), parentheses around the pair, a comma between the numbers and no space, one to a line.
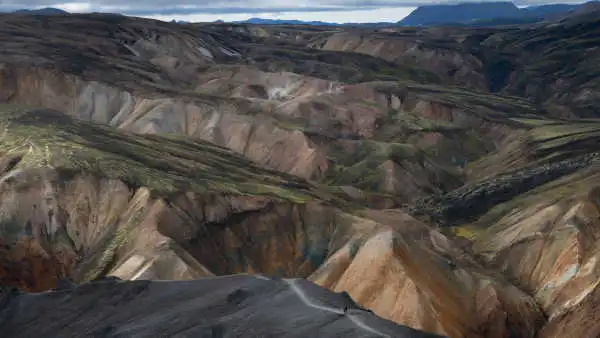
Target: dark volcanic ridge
(228,306)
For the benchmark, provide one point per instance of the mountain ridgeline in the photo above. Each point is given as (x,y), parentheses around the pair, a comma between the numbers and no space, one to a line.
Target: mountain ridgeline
(474,14)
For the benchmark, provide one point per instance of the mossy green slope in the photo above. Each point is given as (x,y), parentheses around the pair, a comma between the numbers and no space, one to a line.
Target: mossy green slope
(38,138)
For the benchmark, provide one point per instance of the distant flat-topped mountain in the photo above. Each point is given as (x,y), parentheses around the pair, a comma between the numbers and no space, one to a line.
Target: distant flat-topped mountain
(466,12)
(548,10)
(484,14)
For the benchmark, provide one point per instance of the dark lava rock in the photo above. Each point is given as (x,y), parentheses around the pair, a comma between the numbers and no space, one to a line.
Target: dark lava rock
(230,306)
(468,202)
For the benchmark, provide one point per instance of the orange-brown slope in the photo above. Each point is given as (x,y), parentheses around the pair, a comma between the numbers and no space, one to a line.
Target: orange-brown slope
(409,273)
(537,221)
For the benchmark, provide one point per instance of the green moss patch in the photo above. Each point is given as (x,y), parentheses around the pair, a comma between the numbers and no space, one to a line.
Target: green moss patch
(165,164)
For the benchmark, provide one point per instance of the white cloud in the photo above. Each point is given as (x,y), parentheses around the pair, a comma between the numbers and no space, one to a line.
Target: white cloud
(391,14)
(73,7)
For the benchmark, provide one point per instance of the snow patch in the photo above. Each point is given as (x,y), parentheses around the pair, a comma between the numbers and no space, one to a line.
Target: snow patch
(205,52)
(132,50)
(283,92)
(214,119)
(229,52)
(334,88)
(569,273)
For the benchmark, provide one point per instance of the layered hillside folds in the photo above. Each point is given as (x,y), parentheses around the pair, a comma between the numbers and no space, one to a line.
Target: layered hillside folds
(88,201)
(293,181)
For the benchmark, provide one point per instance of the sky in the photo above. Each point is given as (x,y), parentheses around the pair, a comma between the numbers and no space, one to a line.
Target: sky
(211,10)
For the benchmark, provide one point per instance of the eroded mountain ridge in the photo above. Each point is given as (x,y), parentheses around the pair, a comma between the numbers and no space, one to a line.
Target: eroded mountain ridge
(372,162)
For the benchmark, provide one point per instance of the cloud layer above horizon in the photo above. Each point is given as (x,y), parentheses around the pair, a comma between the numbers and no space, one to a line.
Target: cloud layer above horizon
(324,10)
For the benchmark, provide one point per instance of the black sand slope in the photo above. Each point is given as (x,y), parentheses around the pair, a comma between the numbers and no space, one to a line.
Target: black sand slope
(229,306)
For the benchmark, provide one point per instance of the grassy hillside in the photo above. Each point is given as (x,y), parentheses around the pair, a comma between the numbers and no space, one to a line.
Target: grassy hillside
(40,138)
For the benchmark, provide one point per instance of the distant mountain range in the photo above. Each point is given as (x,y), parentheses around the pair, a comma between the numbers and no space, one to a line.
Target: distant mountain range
(474,14)
(260,21)
(463,14)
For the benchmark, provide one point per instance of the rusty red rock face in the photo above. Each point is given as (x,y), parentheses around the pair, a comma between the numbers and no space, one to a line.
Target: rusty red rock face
(26,265)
